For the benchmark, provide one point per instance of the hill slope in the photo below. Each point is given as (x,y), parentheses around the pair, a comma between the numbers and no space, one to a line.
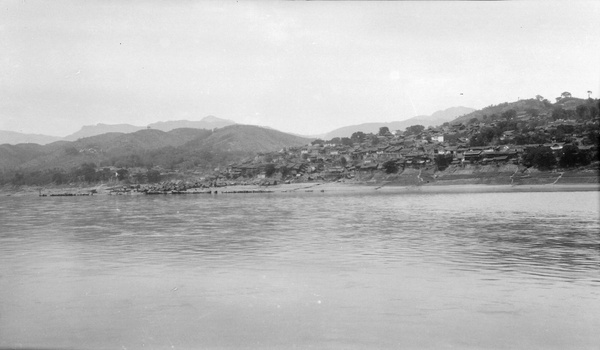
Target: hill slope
(13,138)
(149,147)
(247,138)
(13,156)
(209,123)
(105,148)
(435,119)
(522,106)
(99,129)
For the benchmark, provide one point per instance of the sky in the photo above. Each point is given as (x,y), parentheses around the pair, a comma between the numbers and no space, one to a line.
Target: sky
(300,67)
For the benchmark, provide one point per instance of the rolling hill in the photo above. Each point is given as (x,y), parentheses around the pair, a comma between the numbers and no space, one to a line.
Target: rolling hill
(99,129)
(209,123)
(244,138)
(12,156)
(149,147)
(13,138)
(522,106)
(435,119)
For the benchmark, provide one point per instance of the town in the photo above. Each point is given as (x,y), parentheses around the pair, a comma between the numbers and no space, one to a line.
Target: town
(522,136)
(528,138)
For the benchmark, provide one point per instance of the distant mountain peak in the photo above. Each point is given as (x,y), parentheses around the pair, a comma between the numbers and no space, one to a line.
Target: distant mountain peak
(213,119)
(209,122)
(13,138)
(437,118)
(100,128)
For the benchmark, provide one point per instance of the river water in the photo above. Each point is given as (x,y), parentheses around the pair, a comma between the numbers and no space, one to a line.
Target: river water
(301,270)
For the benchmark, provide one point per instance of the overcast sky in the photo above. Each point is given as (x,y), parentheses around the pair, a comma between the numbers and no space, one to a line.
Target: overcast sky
(302,67)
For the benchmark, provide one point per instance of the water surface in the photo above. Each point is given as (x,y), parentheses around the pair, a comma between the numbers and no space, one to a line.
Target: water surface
(301,270)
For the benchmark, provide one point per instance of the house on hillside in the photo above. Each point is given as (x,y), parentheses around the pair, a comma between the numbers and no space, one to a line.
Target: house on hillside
(391,152)
(472,155)
(460,152)
(437,138)
(499,156)
(367,165)
(508,135)
(555,146)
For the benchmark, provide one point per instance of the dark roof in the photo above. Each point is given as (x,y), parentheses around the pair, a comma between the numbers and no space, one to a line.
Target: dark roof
(472,153)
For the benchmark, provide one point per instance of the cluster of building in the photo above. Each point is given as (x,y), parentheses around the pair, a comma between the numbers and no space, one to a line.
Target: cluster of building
(435,146)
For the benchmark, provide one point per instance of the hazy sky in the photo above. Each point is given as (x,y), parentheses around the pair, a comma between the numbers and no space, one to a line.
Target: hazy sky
(303,67)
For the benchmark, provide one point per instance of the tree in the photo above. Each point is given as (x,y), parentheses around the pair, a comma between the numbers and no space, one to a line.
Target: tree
(285,171)
(540,157)
(88,171)
(559,113)
(582,111)
(565,94)
(139,177)
(443,161)
(390,166)
(594,112)
(346,141)
(568,156)
(539,97)
(19,178)
(58,178)
(415,129)
(384,130)
(153,176)
(104,175)
(358,136)
(71,151)
(534,112)
(317,142)
(509,114)
(122,174)
(473,121)
(571,156)
(270,170)
(483,137)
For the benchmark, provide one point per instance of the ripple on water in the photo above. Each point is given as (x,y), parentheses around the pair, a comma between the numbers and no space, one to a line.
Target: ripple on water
(371,260)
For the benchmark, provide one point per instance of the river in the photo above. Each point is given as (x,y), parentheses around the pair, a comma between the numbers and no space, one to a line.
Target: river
(301,270)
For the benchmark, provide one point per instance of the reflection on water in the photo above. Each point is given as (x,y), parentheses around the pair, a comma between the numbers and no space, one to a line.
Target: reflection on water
(504,270)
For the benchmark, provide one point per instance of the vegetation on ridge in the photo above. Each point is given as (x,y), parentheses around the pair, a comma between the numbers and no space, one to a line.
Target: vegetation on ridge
(531,134)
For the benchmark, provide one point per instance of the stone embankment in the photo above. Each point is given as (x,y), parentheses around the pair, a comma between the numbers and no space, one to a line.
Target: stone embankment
(182,187)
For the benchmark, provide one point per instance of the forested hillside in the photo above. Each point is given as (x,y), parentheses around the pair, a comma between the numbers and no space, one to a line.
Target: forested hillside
(179,149)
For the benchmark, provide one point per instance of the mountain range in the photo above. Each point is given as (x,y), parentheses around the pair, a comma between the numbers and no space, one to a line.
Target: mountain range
(435,119)
(209,123)
(179,147)
(13,138)
(210,142)
(212,122)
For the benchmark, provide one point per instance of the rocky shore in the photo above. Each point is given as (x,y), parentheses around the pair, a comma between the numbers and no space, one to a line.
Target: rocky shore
(316,187)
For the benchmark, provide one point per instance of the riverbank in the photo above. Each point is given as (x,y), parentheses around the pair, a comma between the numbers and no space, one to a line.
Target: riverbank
(315,187)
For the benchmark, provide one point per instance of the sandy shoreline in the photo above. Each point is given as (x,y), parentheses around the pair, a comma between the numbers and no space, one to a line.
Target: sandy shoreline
(319,187)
